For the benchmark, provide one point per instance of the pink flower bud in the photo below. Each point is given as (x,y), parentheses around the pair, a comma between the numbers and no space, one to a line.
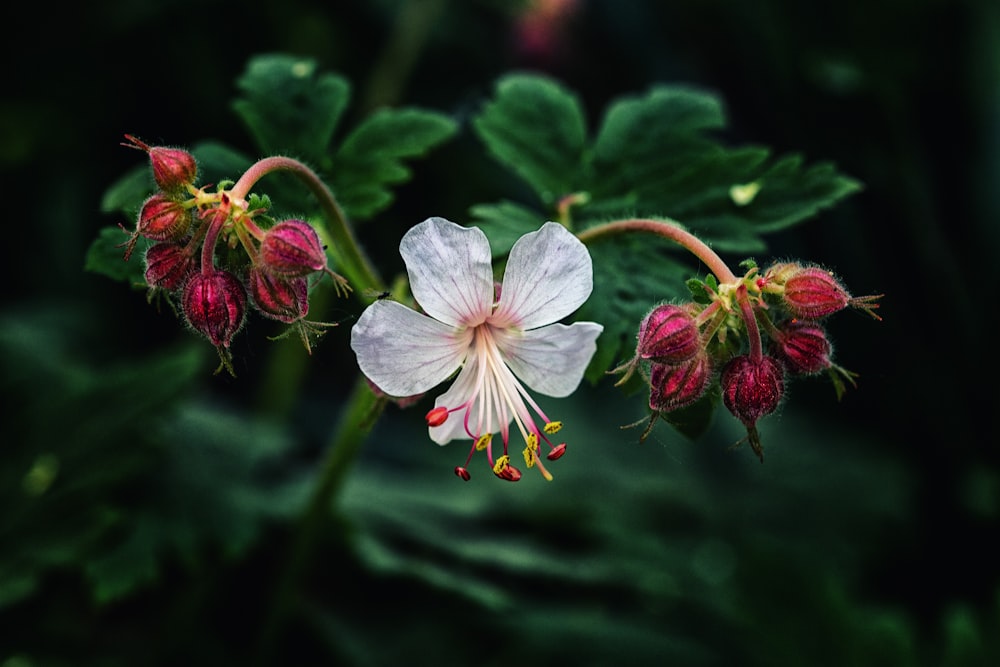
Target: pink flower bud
(668,335)
(803,347)
(752,389)
(163,219)
(215,304)
(292,248)
(282,299)
(812,293)
(676,386)
(173,168)
(168,265)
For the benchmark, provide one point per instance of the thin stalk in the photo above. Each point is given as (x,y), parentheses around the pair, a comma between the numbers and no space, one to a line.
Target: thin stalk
(347,440)
(672,230)
(345,248)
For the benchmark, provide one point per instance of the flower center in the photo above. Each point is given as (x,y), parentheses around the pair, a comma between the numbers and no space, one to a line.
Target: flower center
(498,398)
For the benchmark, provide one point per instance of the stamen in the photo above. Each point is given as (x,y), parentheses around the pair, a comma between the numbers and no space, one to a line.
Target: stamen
(552,427)
(483,441)
(437,416)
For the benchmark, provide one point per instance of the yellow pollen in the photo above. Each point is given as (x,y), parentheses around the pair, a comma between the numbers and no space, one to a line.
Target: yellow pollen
(532,441)
(552,427)
(483,441)
(501,464)
(529,456)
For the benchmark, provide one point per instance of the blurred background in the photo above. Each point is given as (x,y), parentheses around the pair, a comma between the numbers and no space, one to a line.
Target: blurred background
(148,507)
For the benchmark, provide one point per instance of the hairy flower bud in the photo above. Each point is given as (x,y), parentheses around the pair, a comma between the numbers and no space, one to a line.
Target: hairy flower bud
(168,265)
(812,293)
(214,303)
(292,249)
(672,387)
(803,347)
(668,335)
(173,168)
(282,299)
(752,389)
(163,219)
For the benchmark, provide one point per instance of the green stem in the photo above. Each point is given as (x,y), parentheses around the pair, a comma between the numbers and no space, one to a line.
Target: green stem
(342,451)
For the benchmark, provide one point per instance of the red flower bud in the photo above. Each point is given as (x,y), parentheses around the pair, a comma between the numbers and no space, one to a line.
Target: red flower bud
(669,335)
(803,347)
(676,386)
(168,265)
(437,416)
(752,389)
(282,299)
(292,248)
(215,304)
(463,473)
(812,293)
(163,219)
(173,168)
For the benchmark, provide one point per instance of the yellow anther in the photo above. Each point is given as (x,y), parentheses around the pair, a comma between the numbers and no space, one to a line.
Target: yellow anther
(483,441)
(532,441)
(552,427)
(529,456)
(501,464)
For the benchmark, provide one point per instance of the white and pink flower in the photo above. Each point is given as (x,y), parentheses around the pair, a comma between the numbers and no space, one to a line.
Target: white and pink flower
(500,339)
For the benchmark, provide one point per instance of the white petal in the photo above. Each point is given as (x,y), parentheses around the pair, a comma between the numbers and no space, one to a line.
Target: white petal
(551,360)
(461,390)
(549,275)
(450,269)
(403,352)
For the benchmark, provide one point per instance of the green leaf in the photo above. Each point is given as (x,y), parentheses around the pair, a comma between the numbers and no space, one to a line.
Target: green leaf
(371,156)
(126,195)
(504,223)
(105,257)
(537,129)
(288,107)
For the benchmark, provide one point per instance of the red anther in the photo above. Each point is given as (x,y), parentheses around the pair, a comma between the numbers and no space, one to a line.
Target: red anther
(509,473)
(437,416)
(462,472)
(557,452)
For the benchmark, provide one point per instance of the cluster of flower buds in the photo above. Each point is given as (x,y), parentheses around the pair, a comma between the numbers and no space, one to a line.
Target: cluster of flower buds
(683,350)
(185,224)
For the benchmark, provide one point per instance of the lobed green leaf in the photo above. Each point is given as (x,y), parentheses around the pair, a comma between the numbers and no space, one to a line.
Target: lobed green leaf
(290,108)
(536,128)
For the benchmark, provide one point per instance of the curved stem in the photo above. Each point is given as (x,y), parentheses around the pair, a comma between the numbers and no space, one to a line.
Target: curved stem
(667,229)
(350,259)
(670,229)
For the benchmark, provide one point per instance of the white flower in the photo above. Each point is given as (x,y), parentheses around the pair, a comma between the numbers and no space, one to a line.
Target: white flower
(499,345)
